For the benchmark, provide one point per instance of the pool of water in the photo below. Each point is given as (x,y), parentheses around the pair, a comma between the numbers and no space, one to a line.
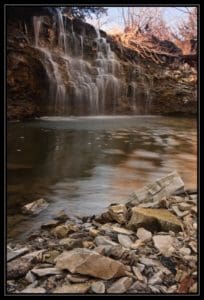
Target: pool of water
(82,164)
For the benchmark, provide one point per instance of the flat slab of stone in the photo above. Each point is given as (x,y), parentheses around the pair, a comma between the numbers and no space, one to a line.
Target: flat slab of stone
(122,230)
(155,191)
(34,290)
(77,288)
(12,254)
(88,262)
(154,219)
(50,224)
(35,207)
(46,271)
(102,240)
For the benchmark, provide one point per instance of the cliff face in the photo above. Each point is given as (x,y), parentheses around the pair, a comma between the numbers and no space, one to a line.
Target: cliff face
(60,66)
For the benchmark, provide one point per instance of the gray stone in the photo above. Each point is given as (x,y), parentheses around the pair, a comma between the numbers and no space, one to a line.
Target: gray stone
(98,287)
(35,207)
(120,286)
(12,254)
(164,243)
(154,220)
(46,271)
(124,240)
(88,262)
(144,235)
(34,290)
(156,278)
(185,251)
(77,288)
(101,240)
(118,213)
(155,191)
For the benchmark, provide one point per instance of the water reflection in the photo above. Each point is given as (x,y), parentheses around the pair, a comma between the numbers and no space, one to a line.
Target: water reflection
(84,164)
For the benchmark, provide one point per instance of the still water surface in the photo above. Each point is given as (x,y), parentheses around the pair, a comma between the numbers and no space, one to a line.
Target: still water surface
(82,164)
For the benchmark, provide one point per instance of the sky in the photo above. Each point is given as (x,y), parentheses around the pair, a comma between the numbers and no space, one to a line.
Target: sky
(172,15)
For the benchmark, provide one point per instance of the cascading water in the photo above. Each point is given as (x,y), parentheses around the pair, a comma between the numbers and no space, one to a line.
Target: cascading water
(92,87)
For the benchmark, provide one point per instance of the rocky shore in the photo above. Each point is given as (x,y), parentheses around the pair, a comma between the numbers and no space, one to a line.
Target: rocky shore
(148,245)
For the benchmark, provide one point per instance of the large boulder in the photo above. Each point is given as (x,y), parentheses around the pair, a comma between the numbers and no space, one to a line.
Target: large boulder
(154,220)
(87,262)
(155,191)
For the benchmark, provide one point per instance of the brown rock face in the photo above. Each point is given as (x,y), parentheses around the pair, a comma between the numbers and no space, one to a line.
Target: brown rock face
(154,220)
(87,262)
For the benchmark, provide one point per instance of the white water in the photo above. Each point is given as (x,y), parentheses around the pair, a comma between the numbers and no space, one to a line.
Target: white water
(92,87)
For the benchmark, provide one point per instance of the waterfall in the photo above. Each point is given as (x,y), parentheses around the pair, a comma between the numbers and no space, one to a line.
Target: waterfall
(88,87)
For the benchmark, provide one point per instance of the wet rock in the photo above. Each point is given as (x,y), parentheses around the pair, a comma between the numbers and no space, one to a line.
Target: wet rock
(154,220)
(120,286)
(34,290)
(49,224)
(124,240)
(144,235)
(138,274)
(78,288)
(118,213)
(46,271)
(162,187)
(60,231)
(164,243)
(61,216)
(11,254)
(88,262)
(101,240)
(35,207)
(18,268)
(71,243)
(98,287)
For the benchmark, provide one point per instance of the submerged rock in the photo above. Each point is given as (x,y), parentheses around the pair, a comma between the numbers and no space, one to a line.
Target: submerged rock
(87,262)
(154,220)
(35,207)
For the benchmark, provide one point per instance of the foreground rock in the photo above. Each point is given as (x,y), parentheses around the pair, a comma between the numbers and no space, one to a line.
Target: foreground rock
(162,187)
(164,243)
(154,220)
(35,207)
(87,262)
(77,288)
(118,213)
(120,286)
